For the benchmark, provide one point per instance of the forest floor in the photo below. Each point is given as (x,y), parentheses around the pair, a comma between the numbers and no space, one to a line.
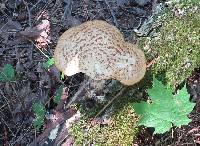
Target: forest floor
(29,30)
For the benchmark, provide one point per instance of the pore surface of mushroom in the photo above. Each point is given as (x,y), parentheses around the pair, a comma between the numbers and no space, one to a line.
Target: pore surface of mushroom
(98,49)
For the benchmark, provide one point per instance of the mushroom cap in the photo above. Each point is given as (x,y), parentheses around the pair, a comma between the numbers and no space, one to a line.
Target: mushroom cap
(98,49)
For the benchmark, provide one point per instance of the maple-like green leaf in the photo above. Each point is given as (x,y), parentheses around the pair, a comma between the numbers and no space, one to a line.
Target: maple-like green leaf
(39,111)
(7,73)
(165,108)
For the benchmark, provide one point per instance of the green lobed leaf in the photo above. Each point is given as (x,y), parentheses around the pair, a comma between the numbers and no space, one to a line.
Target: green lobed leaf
(39,111)
(7,73)
(165,108)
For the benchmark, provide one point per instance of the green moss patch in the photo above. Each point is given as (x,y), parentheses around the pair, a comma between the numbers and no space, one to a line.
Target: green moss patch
(177,43)
(120,131)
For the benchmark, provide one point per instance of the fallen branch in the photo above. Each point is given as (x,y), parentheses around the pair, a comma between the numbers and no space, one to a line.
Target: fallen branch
(60,118)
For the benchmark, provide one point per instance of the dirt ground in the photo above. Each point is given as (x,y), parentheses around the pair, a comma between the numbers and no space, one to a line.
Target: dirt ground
(29,30)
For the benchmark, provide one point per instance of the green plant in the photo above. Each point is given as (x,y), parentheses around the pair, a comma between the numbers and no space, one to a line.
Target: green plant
(164,108)
(7,73)
(58,95)
(39,111)
(49,63)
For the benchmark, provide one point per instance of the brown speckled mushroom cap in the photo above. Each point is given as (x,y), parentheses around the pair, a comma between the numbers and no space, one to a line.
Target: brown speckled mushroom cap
(98,49)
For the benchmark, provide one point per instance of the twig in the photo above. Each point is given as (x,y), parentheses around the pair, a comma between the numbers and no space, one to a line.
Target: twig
(112,13)
(6,100)
(68,9)
(19,138)
(29,13)
(54,9)
(29,16)
(4,122)
(152,62)
(39,49)
(35,5)
(61,118)
(108,104)
(78,93)
(5,136)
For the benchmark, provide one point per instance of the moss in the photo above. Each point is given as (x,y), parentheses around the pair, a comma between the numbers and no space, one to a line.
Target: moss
(122,128)
(177,43)
(186,3)
(120,131)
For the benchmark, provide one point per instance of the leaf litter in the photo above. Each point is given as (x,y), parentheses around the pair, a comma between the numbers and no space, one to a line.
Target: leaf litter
(39,24)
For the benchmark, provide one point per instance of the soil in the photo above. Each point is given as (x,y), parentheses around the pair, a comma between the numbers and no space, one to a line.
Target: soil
(29,30)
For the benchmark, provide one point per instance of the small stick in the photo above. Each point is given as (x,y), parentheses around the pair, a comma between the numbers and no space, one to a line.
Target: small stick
(118,94)
(39,49)
(78,93)
(112,13)
(152,62)
(67,11)
(5,136)
(29,14)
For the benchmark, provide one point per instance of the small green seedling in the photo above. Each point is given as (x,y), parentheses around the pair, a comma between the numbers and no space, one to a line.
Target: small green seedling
(58,95)
(39,111)
(7,73)
(49,63)
(62,76)
(165,108)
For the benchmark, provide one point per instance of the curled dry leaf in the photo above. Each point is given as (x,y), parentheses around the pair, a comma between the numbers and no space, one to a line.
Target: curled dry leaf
(98,49)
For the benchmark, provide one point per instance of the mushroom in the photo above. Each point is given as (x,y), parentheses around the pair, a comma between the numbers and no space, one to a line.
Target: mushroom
(99,50)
